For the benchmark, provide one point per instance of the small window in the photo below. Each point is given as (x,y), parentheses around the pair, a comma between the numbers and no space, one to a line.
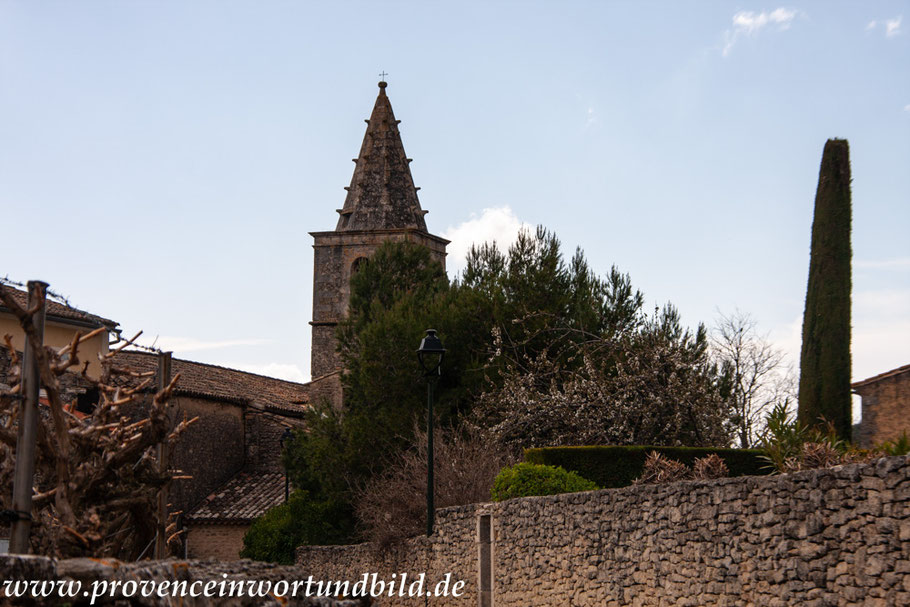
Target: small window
(358,263)
(85,403)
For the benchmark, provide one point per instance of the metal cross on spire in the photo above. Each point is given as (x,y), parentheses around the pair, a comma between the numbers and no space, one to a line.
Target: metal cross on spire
(383,75)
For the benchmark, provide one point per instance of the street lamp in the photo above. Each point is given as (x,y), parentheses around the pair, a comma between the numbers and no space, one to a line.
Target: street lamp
(430,354)
(285,437)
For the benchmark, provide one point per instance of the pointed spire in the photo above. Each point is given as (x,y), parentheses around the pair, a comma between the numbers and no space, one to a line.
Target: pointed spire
(382,193)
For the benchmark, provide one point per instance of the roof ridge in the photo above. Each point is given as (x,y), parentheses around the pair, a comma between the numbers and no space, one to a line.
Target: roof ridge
(202,364)
(61,309)
(880,376)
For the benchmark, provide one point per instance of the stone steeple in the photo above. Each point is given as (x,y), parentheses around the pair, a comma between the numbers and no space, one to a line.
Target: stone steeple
(381,205)
(382,194)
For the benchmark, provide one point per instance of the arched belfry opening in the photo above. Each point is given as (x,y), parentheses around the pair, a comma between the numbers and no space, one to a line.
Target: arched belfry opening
(381,205)
(358,263)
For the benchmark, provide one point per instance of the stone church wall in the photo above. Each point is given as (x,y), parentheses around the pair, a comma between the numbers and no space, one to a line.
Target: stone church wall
(335,255)
(838,536)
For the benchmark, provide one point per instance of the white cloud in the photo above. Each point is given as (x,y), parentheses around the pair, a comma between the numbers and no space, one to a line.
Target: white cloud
(751,22)
(590,118)
(748,23)
(179,345)
(499,224)
(907,108)
(891,27)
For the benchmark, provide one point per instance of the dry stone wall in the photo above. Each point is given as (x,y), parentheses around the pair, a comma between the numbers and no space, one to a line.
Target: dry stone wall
(839,536)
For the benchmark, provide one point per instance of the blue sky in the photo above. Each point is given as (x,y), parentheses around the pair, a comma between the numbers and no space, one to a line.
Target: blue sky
(161,163)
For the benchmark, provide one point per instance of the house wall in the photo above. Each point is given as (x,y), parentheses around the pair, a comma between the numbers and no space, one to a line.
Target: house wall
(886,409)
(222,542)
(59,335)
(837,536)
(264,431)
(211,450)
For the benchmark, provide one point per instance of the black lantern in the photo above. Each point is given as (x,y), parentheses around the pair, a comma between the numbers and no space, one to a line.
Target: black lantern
(430,354)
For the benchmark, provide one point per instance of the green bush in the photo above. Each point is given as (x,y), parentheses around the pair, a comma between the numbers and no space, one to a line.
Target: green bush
(899,446)
(783,439)
(619,466)
(275,535)
(524,479)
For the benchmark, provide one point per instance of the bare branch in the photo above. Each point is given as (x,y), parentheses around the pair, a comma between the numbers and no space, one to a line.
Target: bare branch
(96,477)
(14,356)
(82,339)
(126,344)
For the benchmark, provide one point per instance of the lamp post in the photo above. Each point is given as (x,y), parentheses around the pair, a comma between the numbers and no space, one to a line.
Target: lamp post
(430,354)
(285,437)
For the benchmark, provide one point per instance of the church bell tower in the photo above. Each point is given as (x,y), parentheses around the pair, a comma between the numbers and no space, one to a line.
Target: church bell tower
(381,205)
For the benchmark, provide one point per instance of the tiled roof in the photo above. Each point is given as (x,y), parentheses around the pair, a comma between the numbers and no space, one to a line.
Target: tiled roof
(881,376)
(61,312)
(242,499)
(200,379)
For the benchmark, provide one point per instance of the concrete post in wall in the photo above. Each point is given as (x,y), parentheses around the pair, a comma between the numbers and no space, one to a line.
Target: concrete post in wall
(485,560)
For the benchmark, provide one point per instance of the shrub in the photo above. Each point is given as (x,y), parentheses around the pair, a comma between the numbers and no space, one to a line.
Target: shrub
(789,445)
(275,535)
(660,469)
(901,446)
(524,479)
(619,466)
(392,505)
(706,468)
(783,438)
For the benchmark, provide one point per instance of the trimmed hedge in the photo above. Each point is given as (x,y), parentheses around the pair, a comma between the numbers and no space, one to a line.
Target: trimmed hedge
(618,466)
(524,480)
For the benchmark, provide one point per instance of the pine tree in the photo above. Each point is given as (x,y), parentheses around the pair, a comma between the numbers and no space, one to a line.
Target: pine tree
(824,379)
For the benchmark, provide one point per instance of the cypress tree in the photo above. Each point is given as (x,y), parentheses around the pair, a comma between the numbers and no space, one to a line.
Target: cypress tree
(824,376)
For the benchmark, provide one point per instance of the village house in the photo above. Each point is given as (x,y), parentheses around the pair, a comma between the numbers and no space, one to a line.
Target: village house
(61,323)
(885,406)
(234,449)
